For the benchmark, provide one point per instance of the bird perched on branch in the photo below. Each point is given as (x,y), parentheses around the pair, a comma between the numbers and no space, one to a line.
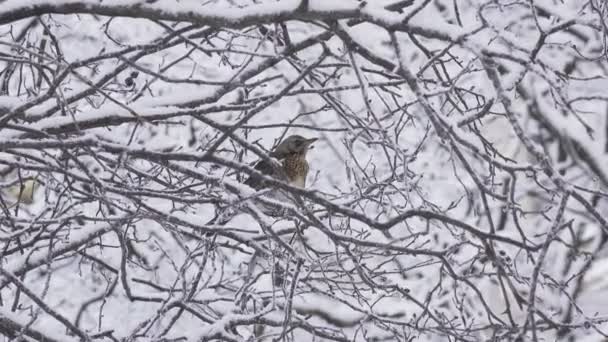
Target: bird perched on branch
(292,168)
(291,152)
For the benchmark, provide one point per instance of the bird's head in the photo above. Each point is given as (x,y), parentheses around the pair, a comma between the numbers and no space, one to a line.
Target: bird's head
(294,144)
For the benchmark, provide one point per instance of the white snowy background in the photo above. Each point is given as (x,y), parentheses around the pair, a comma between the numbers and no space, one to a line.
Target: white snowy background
(497,222)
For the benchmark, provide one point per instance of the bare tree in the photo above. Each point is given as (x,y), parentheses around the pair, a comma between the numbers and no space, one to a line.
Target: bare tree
(458,190)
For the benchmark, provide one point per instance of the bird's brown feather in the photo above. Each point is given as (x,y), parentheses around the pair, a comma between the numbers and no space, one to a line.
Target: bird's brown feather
(263,167)
(296,167)
(293,168)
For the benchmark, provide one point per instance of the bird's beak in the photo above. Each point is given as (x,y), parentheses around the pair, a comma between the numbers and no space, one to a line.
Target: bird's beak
(310,141)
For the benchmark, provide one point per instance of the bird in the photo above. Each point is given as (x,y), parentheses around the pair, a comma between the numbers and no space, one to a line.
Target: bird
(292,168)
(22,192)
(291,152)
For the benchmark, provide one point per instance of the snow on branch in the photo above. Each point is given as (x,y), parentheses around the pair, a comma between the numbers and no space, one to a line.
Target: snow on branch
(296,170)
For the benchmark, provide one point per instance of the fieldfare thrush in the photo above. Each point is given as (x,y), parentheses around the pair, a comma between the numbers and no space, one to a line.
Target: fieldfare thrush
(291,152)
(293,168)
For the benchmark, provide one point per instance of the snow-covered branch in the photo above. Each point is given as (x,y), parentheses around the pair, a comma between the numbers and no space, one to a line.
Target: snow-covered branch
(301,170)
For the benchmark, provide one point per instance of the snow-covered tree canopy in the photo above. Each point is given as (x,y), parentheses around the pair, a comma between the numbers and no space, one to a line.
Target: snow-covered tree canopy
(457,191)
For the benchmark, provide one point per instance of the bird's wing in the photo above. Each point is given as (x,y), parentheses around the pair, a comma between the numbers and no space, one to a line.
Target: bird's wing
(263,167)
